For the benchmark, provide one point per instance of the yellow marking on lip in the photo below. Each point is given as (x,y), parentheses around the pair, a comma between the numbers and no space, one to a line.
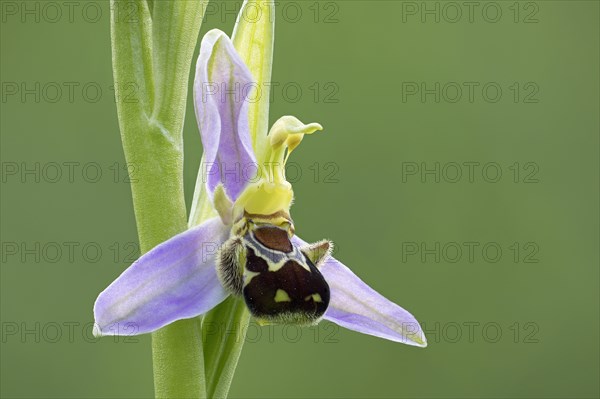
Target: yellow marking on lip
(273,267)
(315,298)
(249,276)
(282,296)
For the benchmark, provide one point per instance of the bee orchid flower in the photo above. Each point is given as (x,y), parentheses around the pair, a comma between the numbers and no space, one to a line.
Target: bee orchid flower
(249,250)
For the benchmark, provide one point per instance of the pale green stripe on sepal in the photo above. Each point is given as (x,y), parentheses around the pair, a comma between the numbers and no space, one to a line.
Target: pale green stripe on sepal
(253,38)
(152,47)
(202,207)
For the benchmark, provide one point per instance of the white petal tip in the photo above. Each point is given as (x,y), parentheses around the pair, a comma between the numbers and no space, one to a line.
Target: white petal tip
(416,338)
(97,332)
(421,343)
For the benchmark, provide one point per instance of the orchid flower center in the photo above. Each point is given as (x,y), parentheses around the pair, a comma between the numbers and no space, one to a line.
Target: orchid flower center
(272,193)
(279,281)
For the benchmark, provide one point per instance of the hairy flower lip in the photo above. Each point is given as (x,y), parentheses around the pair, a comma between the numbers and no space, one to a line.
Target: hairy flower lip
(178,279)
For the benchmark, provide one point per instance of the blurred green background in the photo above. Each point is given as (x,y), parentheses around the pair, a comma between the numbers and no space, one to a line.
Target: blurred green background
(515,317)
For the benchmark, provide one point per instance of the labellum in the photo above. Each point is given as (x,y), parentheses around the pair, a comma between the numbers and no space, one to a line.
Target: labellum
(279,281)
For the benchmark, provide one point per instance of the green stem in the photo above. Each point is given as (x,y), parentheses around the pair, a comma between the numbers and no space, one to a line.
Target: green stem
(177,356)
(152,47)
